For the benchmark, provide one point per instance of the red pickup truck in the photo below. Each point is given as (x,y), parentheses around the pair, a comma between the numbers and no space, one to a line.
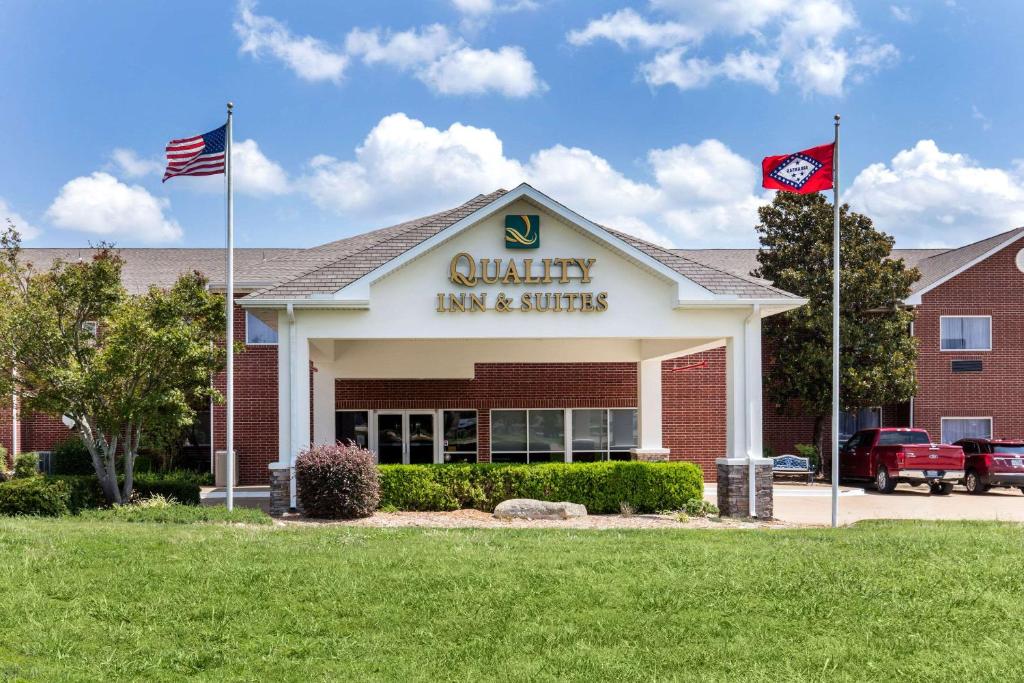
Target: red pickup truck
(890,455)
(993,462)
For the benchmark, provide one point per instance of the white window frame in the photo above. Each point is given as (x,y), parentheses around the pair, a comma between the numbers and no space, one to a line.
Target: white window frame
(249,343)
(942,425)
(566,433)
(608,430)
(991,333)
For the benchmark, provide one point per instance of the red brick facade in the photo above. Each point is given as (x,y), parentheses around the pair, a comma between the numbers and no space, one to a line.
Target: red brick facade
(993,287)
(693,401)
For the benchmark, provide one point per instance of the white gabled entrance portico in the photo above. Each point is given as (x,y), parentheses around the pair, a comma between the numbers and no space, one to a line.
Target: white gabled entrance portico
(445,301)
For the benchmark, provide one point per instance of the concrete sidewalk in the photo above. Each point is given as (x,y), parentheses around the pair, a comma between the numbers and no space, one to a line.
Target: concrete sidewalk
(801,504)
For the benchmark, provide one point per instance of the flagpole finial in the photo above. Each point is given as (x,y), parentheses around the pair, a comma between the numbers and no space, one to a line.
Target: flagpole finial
(231,105)
(836,117)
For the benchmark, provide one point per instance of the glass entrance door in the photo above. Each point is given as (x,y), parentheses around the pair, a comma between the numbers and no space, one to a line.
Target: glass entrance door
(421,438)
(390,438)
(406,437)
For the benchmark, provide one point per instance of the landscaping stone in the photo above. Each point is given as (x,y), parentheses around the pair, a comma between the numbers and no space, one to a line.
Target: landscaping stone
(527,508)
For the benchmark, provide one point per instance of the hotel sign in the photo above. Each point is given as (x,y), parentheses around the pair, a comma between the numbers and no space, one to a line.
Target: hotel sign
(468,272)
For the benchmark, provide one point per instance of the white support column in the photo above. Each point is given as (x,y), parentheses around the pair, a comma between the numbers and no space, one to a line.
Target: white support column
(284,385)
(735,399)
(300,435)
(648,392)
(323,402)
(753,381)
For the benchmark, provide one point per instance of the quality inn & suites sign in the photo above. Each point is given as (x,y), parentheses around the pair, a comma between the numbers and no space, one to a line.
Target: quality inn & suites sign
(544,279)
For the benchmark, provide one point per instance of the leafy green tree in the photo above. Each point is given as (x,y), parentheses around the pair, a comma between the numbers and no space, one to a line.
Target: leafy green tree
(74,343)
(877,353)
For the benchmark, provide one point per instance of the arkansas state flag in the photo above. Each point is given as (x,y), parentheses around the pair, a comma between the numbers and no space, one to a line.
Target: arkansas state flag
(803,172)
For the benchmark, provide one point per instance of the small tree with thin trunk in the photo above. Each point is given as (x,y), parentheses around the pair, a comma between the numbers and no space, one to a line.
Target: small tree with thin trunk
(74,343)
(878,355)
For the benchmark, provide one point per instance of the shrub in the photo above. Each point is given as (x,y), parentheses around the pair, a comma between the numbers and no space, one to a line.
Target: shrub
(337,481)
(34,496)
(603,487)
(181,485)
(71,457)
(806,450)
(26,465)
(698,507)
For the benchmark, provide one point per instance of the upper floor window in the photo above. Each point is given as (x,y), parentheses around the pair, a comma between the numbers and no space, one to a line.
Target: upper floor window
(852,422)
(965,332)
(261,327)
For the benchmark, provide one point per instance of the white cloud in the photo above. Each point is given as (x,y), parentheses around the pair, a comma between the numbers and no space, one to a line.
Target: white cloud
(102,205)
(446,64)
(813,44)
(901,13)
(626,28)
(931,197)
(477,13)
(9,216)
(979,116)
(670,68)
(131,165)
(311,59)
(469,71)
(703,194)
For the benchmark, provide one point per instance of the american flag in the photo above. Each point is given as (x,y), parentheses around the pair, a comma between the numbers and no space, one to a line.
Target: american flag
(197,155)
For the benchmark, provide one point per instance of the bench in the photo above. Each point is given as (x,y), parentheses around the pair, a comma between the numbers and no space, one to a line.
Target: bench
(793,464)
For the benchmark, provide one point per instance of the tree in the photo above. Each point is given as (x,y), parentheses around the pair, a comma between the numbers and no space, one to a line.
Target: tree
(877,353)
(74,343)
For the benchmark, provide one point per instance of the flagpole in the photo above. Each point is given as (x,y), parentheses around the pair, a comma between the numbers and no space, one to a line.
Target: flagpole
(230,421)
(835,329)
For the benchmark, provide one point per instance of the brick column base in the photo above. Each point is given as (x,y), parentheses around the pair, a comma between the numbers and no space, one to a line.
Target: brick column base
(280,489)
(733,487)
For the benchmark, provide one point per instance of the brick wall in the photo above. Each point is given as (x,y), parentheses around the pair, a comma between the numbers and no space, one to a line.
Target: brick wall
(255,408)
(693,401)
(993,287)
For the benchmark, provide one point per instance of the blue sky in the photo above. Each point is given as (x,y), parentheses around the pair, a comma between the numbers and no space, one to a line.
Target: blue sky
(648,116)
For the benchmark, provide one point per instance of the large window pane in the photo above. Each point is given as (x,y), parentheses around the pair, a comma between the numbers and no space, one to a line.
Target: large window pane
(623,421)
(421,438)
(589,432)
(965,333)
(460,435)
(547,430)
(261,327)
(508,457)
(508,430)
(956,428)
(352,425)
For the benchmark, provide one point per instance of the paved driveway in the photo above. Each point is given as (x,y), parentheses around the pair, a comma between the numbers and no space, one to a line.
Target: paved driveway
(802,504)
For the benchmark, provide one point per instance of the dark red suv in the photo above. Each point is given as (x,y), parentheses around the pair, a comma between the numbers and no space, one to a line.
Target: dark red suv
(993,462)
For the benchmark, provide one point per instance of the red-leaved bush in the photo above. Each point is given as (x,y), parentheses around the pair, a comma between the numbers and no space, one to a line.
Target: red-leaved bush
(337,481)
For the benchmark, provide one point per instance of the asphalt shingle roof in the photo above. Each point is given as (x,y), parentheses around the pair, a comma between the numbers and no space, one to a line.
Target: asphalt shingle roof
(328,268)
(144,267)
(934,264)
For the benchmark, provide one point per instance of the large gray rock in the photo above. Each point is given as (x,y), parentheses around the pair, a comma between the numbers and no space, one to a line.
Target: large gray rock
(527,508)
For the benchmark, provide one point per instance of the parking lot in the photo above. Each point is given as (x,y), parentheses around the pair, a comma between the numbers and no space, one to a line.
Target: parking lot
(802,504)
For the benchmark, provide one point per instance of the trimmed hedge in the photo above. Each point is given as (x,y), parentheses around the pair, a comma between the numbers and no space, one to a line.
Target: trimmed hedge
(34,496)
(183,486)
(601,486)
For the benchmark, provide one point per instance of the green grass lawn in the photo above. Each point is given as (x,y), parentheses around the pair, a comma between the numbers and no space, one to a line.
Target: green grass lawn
(109,600)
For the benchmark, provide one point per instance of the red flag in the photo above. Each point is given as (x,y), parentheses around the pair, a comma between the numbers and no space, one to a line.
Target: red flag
(802,172)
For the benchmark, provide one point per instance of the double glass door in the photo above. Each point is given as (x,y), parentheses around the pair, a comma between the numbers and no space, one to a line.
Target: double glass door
(406,437)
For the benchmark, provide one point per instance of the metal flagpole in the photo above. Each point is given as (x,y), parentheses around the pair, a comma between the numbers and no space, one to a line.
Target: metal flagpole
(230,421)
(835,329)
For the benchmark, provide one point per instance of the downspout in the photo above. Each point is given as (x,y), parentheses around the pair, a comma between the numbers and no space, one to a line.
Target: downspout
(912,396)
(748,352)
(14,427)
(292,341)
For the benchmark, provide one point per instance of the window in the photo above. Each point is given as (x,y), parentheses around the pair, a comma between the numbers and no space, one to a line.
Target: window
(956,428)
(354,426)
(965,333)
(902,438)
(850,423)
(459,435)
(527,436)
(261,327)
(603,434)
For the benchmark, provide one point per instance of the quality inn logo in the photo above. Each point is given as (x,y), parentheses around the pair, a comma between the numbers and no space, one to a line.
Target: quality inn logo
(522,232)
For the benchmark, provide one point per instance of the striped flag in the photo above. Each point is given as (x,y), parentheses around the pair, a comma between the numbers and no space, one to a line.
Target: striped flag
(197,155)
